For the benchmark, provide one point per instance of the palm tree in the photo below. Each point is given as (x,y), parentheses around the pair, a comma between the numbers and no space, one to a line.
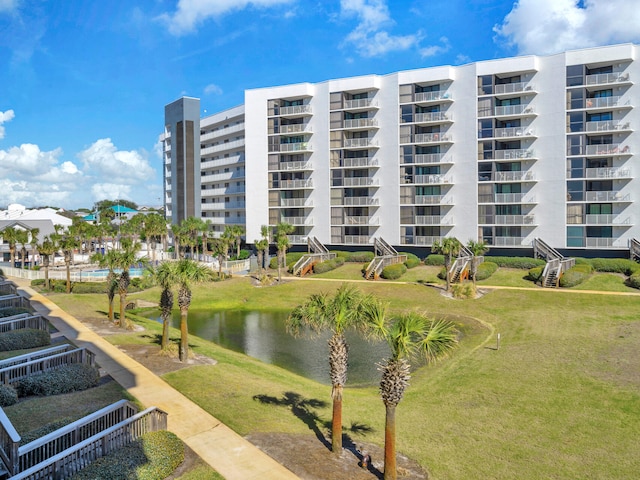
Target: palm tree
(282,243)
(33,240)
(478,249)
(187,272)
(409,336)
(47,248)
(220,248)
(109,260)
(22,238)
(235,233)
(165,276)
(262,246)
(10,235)
(449,247)
(323,312)
(125,258)
(68,244)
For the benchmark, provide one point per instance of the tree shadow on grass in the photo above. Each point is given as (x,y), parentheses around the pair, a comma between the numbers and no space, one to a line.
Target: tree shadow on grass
(303,409)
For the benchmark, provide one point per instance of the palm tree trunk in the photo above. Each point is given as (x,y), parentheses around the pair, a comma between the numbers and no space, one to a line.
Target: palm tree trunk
(184,335)
(164,342)
(390,470)
(111,309)
(123,304)
(336,422)
(68,277)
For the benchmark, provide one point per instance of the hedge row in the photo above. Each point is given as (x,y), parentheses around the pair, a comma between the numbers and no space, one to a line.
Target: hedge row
(576,275)
(154,456)
(60,286)
(524,263)
(434,260)
(355,257)
(66,379)
(611,265)
(23,339)
(328,265)
(9,311)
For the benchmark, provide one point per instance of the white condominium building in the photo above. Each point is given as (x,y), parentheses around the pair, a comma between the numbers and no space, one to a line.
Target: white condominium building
(503,150)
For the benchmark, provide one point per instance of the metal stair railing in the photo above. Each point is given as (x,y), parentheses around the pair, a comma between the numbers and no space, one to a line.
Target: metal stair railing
(556,263)
(375,267)
(315,246)
(634,249)
(542,250)
(382,248)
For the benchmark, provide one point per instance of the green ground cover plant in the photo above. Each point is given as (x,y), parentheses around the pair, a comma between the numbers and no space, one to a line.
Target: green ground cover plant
(566,373)
(24,338)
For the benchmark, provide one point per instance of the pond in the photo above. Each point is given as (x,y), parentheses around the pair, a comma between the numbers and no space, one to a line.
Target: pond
(262,335)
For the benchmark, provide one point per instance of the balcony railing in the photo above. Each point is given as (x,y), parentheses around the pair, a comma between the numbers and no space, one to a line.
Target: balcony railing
(297,220)
(359,201)
(287,166)
(357,182)
(514,219)
(354,162)
(606,219)
(512,154)
(610,172)
(223,206)
(607,126)
(360,123)
(431,96)
(222,146)
(294,110)
(602,149)
(431,179)
(426,158)
(290,147)
(512,132)
(297,239)
(433,220)
(296,202)
(361,220)
(605,78)
(507,88)
(426,138)
(506,241)
(513,176)
(608,196)
(426,241)
(293,184)
(221,162)
(294,128)
(431,117)
(601,102)
(596,242)
(221,132)
(358,103)
(357,239)
(358,142)
(433,200)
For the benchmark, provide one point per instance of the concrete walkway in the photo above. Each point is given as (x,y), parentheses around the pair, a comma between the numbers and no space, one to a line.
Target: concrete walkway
(231,455)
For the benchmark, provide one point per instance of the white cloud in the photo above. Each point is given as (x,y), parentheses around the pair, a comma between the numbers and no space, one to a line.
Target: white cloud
(369,37)
(8,5)
(191,13)
(107,162)
(212,89)
(551,26)
(5,117)
(434,50)
(103,191)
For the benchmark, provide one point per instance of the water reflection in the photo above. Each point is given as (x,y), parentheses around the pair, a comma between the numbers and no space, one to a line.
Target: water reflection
(262,335)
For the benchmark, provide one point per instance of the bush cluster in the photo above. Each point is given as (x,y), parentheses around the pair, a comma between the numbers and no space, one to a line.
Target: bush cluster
(393,272)
(8,395)
(534,274)
(485,270)
(44,430)
(38,282)
(434,260)
(244,254)
(576,275)
(66,379)
(355,257)
(154,456)
(611,265)
(328,265)
(412,260)
(634,280)
(291,258)
(524,263)
(23,339)
(10,311)
(464,290)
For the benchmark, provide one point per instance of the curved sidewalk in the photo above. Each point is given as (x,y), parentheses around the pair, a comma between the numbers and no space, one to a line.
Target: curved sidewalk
(231,455)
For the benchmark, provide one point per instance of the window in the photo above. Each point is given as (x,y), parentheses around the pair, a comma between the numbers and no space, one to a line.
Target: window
(575,236)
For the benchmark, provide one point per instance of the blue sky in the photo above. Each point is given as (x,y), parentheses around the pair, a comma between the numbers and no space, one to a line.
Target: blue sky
(83,84)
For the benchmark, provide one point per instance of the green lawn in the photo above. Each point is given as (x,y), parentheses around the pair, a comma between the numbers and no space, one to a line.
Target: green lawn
(560,399)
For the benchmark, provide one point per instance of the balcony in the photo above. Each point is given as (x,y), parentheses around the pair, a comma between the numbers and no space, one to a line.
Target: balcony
(606,149)
(433,220)
(223,206)
(428,97)
(431,179)
(360,123)
(511,132)
(293,129)
(288,166)
(505,241)
(361,220)
(360,201)
(610,172)
(432,200)
(437,137)
(601,102)
(291,184)
(222,147)
(290,147)
(511,198)
(512,154)
(297,239)
(513,176)
(354,162)
(296,202)
(607,219)
(509,88)
(425,159)
(221,132)
(432,117)
(514,220)
(607,196)
(358,143)
(216,192)
(607,78)
(221,162)
(297,221)
(357,239)
(608,126)
(294,110)
(507,111)
(602,242)
(221,177)
(426,241)
(355,182)
(359,103)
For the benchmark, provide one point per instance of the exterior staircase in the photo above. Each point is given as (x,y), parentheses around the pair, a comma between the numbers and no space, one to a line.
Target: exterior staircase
(385,255)
(317,253)
(634,249)
(556,263)
(461,267)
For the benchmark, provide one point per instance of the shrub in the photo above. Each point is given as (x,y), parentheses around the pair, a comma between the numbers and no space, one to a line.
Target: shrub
(10,311)
(393,272)
(244,254)
(290,259)
(328,265)
(23,339)
(485,270)
(355,257)
(442,274)
(524,263)
(434,259)
(66,379)
(464,290)
(38,282)
(412,260)
(534,274)
(8,395)
(44,430)
(154,456)
(634,280)
(576,275)
(614,265)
